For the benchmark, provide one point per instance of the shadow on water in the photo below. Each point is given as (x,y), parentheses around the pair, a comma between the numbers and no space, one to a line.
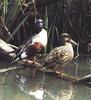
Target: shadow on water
(22,85)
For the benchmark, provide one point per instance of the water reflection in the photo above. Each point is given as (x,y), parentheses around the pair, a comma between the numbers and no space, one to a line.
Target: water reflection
(45,86)
(22,85)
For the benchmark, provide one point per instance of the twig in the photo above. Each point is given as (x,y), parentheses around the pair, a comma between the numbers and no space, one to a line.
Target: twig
(35,7)
(5,27)
(18,27)
(77,51)
(13,46)
(3,79)
(35,64)
(9,69)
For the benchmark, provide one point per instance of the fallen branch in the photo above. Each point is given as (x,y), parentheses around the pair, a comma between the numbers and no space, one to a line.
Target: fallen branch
(9,69)
(37,66)
(24,64)
(5,48)
(84,80)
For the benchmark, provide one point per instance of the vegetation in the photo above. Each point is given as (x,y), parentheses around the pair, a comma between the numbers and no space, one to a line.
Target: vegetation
(72,16)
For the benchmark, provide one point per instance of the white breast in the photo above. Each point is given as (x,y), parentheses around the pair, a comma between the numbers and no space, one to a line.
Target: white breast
(41,37)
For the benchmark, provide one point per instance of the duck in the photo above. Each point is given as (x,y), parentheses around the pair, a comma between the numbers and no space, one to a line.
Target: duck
(60,56)
(35,44)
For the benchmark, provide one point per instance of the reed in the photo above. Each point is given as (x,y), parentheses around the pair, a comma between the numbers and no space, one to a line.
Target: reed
(72,16)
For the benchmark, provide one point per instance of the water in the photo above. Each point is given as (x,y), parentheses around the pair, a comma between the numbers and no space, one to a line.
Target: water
(22,85)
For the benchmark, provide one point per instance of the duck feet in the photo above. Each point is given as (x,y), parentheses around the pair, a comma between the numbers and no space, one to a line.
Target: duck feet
(59,71)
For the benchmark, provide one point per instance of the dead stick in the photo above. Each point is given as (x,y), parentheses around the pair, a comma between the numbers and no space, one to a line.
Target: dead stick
(9,69)
(37,65)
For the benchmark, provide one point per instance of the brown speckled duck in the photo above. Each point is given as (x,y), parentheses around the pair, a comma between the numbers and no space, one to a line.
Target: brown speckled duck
(62,55)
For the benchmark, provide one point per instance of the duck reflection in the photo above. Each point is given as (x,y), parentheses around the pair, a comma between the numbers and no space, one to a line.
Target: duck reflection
(21,85)
(44,87)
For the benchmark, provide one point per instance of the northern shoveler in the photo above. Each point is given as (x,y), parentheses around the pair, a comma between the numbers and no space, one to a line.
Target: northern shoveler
(35,44)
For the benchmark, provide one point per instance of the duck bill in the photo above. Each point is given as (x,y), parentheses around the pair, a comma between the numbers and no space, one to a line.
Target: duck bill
(73,42)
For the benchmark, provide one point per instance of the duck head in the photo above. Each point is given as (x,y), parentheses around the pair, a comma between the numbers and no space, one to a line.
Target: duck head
(38,25)
(66,38)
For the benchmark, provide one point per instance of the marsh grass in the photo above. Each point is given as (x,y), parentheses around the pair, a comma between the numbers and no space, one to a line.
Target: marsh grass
(72,16)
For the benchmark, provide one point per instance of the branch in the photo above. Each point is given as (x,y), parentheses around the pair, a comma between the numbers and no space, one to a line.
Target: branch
(18,27)
(23,63)
(9,69)
(37,66)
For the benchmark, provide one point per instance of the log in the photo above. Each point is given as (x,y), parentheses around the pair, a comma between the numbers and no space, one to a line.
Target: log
(37,67)
(5,50)
(9,69)
(24,64)
(86,78)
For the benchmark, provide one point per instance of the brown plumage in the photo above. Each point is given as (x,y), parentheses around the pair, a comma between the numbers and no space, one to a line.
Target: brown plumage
(62,55)
(33,49)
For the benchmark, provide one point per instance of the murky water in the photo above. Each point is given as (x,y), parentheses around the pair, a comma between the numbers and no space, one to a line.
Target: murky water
(22,85)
